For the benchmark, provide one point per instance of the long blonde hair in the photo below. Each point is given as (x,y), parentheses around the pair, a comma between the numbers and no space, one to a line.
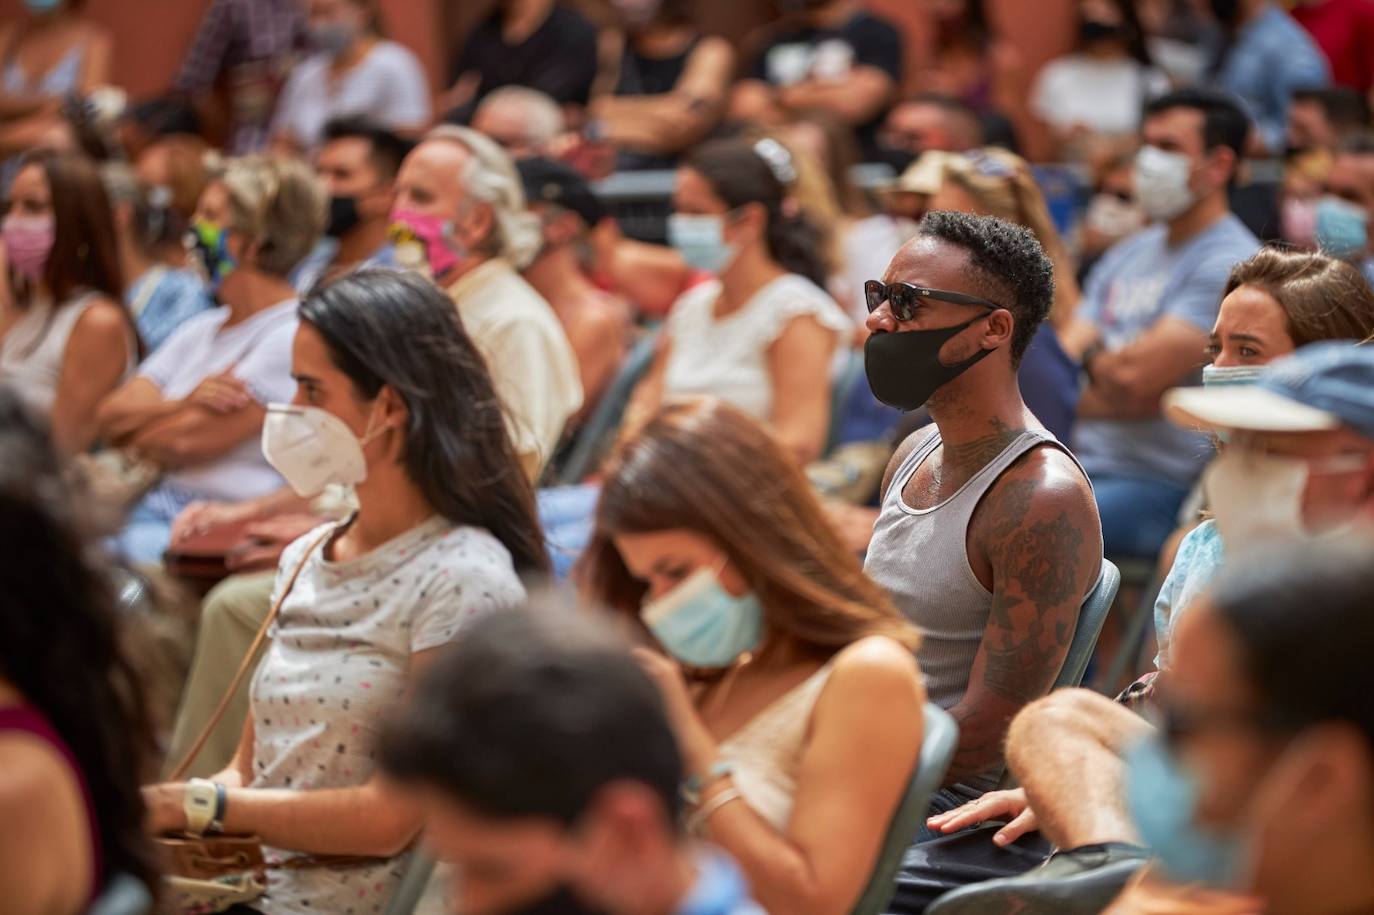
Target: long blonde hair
(1004,186)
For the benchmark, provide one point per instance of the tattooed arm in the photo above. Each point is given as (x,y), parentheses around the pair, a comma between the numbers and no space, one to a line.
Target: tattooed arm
(1035,540)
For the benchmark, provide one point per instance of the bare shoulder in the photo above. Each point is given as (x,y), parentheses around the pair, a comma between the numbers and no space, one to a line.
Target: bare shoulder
(1045,480)
(41,798)
(32,775)
(1038,525)
(879,663)
(104,316)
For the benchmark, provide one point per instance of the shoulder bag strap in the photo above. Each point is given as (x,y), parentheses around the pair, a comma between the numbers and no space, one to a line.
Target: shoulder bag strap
(180,771)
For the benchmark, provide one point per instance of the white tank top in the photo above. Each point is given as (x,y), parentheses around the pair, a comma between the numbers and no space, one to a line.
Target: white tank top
(32,351)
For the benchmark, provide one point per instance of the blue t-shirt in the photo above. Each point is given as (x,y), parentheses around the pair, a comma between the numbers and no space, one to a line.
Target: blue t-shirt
(317,263)
(1132,287)
(1272,57)
(162,299)
(1196,564)
(720,888)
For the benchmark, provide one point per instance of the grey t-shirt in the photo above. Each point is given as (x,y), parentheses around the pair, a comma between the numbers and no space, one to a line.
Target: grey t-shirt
(1135,284)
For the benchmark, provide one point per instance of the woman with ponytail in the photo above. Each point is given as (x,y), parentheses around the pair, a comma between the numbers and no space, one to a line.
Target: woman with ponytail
(761,333)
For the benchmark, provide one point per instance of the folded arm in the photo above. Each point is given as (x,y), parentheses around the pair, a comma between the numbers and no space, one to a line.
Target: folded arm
(854,98)
(1130,381)
(670,121)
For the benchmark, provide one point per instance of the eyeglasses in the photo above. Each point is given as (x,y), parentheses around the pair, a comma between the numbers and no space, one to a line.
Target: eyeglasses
(906,298)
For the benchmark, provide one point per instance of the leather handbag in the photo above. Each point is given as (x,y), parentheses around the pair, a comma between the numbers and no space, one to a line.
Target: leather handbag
(210,873)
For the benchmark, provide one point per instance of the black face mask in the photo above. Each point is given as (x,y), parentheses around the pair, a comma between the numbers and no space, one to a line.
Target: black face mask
(899,159)
(558,901)
(1226,11)
(904,367)
(343,216)
(1091,30)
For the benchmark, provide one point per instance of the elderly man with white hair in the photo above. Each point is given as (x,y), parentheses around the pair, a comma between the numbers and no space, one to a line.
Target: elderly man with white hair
(460,214)
(524,121)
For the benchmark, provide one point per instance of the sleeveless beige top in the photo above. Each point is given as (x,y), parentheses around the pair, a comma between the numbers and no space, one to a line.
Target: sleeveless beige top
(766,752)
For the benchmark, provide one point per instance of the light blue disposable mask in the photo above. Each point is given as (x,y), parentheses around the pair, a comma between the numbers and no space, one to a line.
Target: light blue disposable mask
(1342,227)
(42,6)
(1214,376)
(700,239)
(1162,799)
(702,624)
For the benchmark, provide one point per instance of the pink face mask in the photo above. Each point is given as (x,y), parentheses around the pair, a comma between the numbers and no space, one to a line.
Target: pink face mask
(28,242)
(432,235)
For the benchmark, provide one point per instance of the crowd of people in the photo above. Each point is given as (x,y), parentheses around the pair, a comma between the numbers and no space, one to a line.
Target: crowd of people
(629,552)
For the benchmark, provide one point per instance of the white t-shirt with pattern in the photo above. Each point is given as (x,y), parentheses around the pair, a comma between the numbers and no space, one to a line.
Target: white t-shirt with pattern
(338,665)
(727,357)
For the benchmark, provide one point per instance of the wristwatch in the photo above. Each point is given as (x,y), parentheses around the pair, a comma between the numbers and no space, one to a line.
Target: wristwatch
(204,806)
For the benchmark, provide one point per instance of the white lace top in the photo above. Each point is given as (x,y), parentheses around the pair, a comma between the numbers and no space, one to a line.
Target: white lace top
(727,357)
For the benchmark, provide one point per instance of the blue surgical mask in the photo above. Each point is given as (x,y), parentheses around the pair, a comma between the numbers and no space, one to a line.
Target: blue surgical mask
(42,6)
(1342,227)
(1162,797)
(701,241)
(702,624)
(1217,376)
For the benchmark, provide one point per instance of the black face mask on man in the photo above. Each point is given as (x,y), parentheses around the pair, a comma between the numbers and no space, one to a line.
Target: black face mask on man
(343,215)
(904,367)
(1094,30)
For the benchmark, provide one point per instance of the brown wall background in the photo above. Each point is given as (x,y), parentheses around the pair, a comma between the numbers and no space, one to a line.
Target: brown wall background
(152,35)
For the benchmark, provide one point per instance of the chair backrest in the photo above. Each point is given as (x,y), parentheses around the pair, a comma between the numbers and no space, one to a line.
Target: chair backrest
(411,889)
(123,895)
(937,749)
(1090,619)
(594,436)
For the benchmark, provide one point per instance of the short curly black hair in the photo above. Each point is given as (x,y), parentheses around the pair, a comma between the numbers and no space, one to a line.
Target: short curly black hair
(1009,265)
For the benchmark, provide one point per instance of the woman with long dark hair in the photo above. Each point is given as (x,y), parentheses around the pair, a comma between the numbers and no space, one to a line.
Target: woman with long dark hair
(66,340)
(73,728)
(762,332)
(394,401)
(789,676)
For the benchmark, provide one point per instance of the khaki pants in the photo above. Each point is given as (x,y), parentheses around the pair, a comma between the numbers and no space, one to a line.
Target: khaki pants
(230,618)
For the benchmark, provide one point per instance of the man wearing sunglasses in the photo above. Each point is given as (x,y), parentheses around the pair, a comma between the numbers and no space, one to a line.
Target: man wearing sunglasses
(988,537)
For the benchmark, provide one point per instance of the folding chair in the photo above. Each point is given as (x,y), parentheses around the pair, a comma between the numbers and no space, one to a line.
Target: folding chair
(1090,619)
(596,433)
(412,886)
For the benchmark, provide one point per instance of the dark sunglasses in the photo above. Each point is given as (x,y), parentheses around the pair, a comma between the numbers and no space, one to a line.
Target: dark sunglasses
(906,298)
